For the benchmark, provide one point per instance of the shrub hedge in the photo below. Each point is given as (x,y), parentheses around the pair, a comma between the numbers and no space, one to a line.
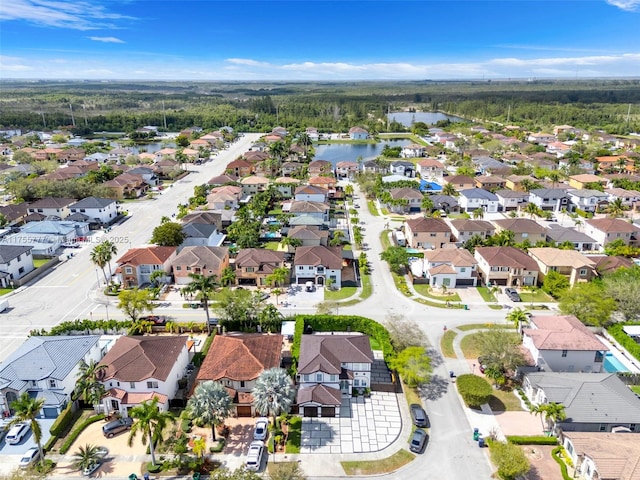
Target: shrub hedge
(625,340)
(473,389)
(532,440)
(77,431)
(556,453)
(63,421)
(199,356)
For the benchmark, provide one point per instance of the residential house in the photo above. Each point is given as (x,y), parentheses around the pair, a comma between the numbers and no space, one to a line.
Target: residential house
(405,200)
(319,264)
(463,229)
(139,369)
(97,157)
(573,265)
(584,180)
(346,170)
(615,163)
(450,267)
(514,182)
(405,169)
(288,169)
(509,200)
(207,217)
(558,149)
(581,241)
(427,233)
(587,200)
(254,265)
(254,184)
(524,229)
(201,234)
(320,167)
(358,133)
(223,179)
(559,129)
(240,168)
(199,260)
(308,193)
(16,261)
(607,230)
(486,165)
(312,133)
(430,169)
(44,237)
(375,166)
(100,211)
(319,210)
(53,208)
(166,167)
(563,344)
(490,182)
(541,138)
(554,199)
(583,397)
(508,266)
(460,182)
(413,151)
(46,368)
(225,197)
(286,186)
(135,267)
(477,198)
(629,198)
(330,366)
(605,264)
(327,182)
(147,173)
(14,213)
(238,362)
(447,203)
(127,185)
(309,235)
(600,455)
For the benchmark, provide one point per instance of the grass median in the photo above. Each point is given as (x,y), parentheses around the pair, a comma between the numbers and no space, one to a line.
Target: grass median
(378,467)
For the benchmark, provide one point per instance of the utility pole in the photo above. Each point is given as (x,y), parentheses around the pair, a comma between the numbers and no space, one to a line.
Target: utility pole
(73,120)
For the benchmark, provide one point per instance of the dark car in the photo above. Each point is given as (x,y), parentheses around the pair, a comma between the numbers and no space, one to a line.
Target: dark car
(418,441)
(512,294)
(418,415)
(117,426)
(482,364)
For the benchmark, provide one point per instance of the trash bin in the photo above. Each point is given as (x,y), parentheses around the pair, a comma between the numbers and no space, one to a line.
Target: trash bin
(466,307)
(476,434)
(481,442)
(146,476)
(196,475)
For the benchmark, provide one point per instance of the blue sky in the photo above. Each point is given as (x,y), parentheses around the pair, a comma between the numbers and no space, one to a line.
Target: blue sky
(318,40)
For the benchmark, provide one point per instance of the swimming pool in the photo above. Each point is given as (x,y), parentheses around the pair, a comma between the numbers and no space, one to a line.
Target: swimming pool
(613,365)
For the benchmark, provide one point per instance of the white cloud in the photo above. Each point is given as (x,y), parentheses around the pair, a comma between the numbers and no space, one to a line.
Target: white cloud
(627,5)
(106,39)
(62,14)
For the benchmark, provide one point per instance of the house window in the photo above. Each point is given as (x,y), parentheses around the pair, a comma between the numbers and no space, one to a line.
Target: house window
(356,382)
(52,383)
(306,378)
(132,385)
(242,384)
(603,427)
(599,358)
(114,405)
(632,427)
(178,268)
(152,384)
(333,378)
(433,234)
(34,383)
(128,270)
(564,353)
(318,377)
(463,269)
(249,269)
(583,272)
(21,270)
(188,268)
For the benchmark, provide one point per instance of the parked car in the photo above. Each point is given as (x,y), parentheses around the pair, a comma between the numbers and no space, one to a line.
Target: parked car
(262,429)
(91,468)
(418,415)
(482,365)
(29,457)
(308,286)
(117,426)
(17,433)
(254,455)
(512,294)
(418,441)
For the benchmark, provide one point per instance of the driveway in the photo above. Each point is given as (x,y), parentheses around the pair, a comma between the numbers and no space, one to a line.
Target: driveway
(297,296)
(28,441)
(365,425)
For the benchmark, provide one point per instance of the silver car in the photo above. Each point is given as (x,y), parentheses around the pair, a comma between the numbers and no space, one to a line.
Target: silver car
(29,457)
(254,455)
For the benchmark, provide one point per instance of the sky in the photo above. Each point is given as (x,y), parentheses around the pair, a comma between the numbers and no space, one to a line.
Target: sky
(318,40)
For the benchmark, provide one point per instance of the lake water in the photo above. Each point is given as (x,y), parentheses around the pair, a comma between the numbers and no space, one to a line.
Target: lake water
(430,118)
(337,152)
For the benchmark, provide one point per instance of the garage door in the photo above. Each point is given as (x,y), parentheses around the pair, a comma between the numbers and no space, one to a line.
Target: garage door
(50,412)
(310,411)
(328,411)
(244,411)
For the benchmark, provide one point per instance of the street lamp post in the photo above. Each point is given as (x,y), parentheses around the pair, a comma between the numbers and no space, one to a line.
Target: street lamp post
(98,278)
(106,307)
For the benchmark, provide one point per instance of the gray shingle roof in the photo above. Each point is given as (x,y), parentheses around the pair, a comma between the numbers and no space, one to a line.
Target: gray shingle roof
(479,193)
(93,202)
(9,252)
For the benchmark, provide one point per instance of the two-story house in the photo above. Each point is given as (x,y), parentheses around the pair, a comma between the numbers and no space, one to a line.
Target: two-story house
(477,198)
(44,237)
(463,229)
(320,167)
(573,265)
(607,230)
(559,234)
(254,265)
(52,207)
(309,235)
(330,366)
(319,264)
(460,182)
(405,200)
(318,210)
(508,266)
(587,200)
(16,261)
(450,267)
(427,233)
(554,199)
(224,197)
(141,368)
(509,200)
(585,179)
(563,344)
(199,260)
(254,184)
(490,182)
(358,133)
(135,267)
(201,234)
(346,169)
(46,368)
(240,167)
(237,362)
(308,193)
(100,211)
(524,229)
(430,169)
(403,168)
(413,151)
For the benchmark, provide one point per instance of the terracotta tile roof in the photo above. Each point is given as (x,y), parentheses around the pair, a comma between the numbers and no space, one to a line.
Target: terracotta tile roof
(463,179)
(555,257)
(304,206)
(520,225)
(319,394)
(322,180)
(605,263)
(442,270)
(146,256)
(257,257)
(222,179)
(207,258)
(405,192)
(326,352)
(507,257)
(615,455)
(467,225)
(458,257)
(311,190)
(254,180)
(550,332)
(133,359)
(307,232)
(136,398)
(52,202)
(430,162)
(612,225)
(329,257)
(428,225)
(241,357)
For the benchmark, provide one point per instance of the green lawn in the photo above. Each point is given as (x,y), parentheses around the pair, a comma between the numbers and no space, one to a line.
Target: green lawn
(38,262)
(459,215)
(486,295)
(385,211)
(470,346)
(446,344)
(538,296)
(294,436)
(367,288)
(425,290)
(375,345)
(271,246)
(384,239)
(343,293)
(411,394)
(373,210)
(4,291)
(636,389)
(378,467)
(476,326)
(505,401)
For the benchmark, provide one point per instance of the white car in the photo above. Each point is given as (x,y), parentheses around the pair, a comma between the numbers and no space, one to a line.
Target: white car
(91,468)
(29,457)
(254,455)
(262,429)
(17,433)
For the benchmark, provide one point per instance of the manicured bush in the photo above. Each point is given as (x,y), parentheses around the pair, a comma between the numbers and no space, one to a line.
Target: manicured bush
(556,453)
(532,440)
(77,431)
(509,459)
(63,421)
(625,340)
(151,468)
(473,389)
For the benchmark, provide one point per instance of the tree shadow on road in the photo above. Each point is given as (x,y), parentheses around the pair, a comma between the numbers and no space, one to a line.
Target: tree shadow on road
(435,389)
(435,356)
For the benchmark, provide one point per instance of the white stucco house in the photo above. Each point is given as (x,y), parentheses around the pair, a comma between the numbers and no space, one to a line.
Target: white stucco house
(101,211)
(16,261)
(474,198)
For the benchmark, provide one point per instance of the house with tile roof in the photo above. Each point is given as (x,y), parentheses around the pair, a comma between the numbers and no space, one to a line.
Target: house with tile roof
(254,265)
(324,182)
(309,235)
(318,264)
(254,184)
(318,210)
(358,133)
(450,267)
(141,368)
(135,267)
(607,230)
(14,213)
(600,455)
(331,364)
(16,261)
(240,168)
(587,200)
(573,265)
(630,198)
(44,237)
(524,229)
(510,200)
(52,207)
(445,202)
(413,151)
(554,199)
(206,217)
(593,402)
(236,361)
(490,182)
(286,186)
(463,229)
(201,260)
(427,232)
(563,344)
(430,169)
(224,197)
(308,193)
(405,200)
(459,182)
(346,169)
(201,234)
(609,263)
(101,211)
(584,179)
(559,234)
(320,167)
(508,266)
(223,179)
(46,368)
(127,185)
(478,198)
(403,168)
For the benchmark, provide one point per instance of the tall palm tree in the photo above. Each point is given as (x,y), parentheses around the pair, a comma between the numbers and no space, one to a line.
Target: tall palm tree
(209,405)
(532,209)
(227,277)
(204,286)
(97,258)
(27,410)
(273,393)
(517,316)
(150,422)
(616,208)
(109,250)
(551,413)
(478,214)
(86,456)
(278,277)
(337,238)
(427,204)
(88,383)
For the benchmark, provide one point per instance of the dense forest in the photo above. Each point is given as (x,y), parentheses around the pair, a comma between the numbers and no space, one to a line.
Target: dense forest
(611,105)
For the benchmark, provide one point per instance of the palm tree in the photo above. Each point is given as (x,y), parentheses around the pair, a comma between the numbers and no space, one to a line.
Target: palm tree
(209,405)
(27,410)
(532,209)
(273,393)
(102,254)
(616,208)
(337,238)
(150,422)
(277,292)
(86,456)
(427,204)
(304,140)
(204,286)
(227,277)
(97,258)
(348,190)
(552,413)
(449,189)
(278,277)
(554,176)
(517,316)
(528,185)
(478,214)
(504,238)
(88,385)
